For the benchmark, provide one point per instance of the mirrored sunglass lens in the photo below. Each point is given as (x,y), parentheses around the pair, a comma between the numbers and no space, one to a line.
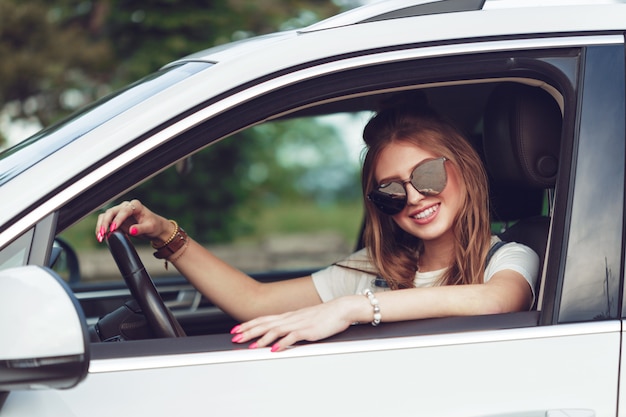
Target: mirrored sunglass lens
(393,190)
(430,178)
(387,203)
(390,198)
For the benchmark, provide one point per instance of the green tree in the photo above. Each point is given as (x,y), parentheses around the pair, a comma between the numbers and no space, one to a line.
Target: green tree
(56,57)
(49,59)
(150,33)
(230,182)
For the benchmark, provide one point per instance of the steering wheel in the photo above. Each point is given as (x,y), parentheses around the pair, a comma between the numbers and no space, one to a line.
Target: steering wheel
(159,317)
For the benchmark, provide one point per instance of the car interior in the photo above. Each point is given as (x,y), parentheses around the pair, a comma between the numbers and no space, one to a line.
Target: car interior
(521,142)
(517,131)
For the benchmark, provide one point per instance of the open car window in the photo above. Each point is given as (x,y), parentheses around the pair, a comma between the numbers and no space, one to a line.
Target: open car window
(281,196)
(272,186)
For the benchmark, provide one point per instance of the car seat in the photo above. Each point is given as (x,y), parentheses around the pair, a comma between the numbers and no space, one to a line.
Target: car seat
(521,143)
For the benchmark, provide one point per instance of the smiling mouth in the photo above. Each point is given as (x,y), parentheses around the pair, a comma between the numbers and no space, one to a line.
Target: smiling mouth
(426,213)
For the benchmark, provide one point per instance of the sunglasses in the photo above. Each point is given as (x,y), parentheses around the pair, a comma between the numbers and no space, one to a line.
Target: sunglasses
(429,178)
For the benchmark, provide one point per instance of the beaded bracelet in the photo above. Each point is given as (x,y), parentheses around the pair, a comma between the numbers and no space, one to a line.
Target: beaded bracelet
(374,302)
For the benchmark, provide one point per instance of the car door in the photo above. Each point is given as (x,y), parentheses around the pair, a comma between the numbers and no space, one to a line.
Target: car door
(563,356)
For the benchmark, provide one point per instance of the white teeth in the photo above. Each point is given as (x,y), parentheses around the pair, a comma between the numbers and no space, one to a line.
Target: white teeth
(426,213)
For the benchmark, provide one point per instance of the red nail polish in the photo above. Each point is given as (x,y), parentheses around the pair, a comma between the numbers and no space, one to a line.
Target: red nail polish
(237,338)
(113,227)
(99,237)
(235,329)
(253,345)
(133,231)
(275,347)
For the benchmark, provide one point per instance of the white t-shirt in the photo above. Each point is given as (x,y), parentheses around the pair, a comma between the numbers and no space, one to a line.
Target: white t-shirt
(336,281)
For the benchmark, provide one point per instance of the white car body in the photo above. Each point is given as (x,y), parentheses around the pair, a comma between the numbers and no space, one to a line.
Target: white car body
(563,367)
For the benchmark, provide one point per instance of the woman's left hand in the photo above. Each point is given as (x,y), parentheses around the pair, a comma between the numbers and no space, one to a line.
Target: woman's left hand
(283,330)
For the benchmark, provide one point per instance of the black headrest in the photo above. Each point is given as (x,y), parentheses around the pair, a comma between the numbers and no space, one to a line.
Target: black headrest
(522,136)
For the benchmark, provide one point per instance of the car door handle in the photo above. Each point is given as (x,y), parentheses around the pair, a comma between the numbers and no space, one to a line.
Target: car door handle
(185,300)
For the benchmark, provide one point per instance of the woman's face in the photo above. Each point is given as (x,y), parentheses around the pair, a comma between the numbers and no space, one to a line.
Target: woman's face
(428,218)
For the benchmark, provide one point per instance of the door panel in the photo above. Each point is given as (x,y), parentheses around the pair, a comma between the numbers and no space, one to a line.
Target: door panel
(489,373)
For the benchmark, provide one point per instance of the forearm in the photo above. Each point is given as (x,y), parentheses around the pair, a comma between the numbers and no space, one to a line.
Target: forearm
(235,292)
(444,301)
(227,287)
(230,289)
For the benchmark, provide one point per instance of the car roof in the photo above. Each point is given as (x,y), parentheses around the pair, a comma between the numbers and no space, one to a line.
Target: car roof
(444,20)
(395,9)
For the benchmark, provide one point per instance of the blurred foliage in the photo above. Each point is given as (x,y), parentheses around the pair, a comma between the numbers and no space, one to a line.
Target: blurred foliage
(47,56)
(56,57)
(147,34)
(276,164)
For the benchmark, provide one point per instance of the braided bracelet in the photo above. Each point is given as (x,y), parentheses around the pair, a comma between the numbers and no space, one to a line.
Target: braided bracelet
(374,302)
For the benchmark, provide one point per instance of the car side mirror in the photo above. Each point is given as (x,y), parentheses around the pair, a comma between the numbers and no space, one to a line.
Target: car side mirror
(45,341)
(63,258)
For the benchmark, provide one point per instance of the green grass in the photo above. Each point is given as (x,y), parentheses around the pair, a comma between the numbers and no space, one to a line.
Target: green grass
(302,217)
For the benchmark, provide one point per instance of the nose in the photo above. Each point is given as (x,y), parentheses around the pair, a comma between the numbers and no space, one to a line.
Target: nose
(413,197)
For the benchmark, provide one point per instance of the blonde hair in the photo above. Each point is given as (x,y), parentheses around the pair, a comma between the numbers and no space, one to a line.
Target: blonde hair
(395,252)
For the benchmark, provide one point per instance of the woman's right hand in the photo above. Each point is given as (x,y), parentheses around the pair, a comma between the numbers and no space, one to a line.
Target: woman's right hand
(137,220)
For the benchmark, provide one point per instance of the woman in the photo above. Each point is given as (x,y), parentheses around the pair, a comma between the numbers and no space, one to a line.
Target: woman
(427,238)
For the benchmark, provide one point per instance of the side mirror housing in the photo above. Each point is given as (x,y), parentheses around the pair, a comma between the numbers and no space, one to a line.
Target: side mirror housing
(45,341)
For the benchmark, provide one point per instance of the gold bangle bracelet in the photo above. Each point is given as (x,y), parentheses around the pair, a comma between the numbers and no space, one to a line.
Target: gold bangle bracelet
(168,241)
